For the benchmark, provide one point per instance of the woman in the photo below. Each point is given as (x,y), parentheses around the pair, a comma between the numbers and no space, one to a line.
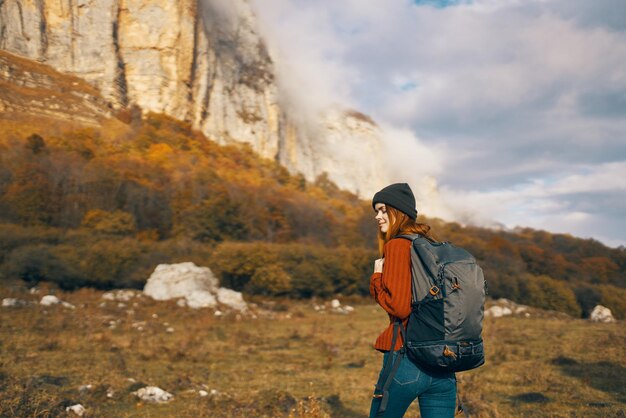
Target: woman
(390,286)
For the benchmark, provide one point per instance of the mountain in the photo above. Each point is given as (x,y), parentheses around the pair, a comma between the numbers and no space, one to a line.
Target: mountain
(202,62)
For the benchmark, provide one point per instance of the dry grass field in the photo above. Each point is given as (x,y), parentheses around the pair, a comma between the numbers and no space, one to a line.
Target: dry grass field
(283,358)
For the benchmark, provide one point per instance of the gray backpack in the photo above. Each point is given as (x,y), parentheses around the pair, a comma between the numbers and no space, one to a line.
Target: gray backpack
(448,296)
(443,334)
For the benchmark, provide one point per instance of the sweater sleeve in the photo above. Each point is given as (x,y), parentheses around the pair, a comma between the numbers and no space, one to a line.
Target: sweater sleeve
(392,288)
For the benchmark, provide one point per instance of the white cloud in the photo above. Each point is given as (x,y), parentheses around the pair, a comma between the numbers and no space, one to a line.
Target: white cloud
(517,108)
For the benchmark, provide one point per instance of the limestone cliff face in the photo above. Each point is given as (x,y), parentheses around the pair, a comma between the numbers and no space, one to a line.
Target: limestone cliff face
(198,61)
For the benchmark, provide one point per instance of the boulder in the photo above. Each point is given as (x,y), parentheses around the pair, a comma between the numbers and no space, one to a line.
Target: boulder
(171,281)
(601,314)
(200,299)
(195,287)
(231,298)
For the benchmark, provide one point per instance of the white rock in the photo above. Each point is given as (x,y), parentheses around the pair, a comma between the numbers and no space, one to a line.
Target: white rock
(78,409)
(68,305)
(231,299)
(49,300)
(200,299)
(601,314)
(12,302)
(520,309)
(218,313)
(153,394)
(335,304)
(497,311)
(348,308)
(169,330)
(173,281)
(181,302)
(120,295)
(203,393)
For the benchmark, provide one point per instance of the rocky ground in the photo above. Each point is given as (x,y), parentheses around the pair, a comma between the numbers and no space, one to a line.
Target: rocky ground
(122,353)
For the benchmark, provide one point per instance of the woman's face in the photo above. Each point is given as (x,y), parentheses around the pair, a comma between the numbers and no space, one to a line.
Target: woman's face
(382,217)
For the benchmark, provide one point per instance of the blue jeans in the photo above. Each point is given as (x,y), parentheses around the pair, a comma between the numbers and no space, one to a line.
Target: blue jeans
(436,393)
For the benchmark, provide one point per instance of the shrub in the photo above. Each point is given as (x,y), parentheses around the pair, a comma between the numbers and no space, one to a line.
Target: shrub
(116,223)
(39,263)
(614,298)
(547,293)
(269,280)
(587,297)
(236,263)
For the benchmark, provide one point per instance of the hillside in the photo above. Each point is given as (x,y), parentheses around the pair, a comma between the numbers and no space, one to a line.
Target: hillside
(102,206)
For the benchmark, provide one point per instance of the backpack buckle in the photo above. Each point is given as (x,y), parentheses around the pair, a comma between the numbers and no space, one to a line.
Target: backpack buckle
(434,290)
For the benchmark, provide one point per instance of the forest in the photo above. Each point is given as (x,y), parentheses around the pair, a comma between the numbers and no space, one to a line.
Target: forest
(101,207)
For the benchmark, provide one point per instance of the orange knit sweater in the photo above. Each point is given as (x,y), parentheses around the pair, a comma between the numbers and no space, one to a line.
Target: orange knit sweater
(392,289)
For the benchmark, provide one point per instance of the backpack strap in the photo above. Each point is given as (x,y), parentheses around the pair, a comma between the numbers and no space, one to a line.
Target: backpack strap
(389,369)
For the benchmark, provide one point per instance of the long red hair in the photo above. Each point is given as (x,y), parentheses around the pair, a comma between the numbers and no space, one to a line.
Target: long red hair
(400,223)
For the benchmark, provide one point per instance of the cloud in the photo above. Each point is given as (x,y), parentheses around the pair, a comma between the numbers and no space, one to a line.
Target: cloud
(508,103)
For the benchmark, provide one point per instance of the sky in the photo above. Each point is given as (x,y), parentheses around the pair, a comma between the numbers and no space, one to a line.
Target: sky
(516,108)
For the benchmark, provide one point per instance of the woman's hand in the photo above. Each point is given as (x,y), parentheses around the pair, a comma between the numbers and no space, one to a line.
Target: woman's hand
(378,265)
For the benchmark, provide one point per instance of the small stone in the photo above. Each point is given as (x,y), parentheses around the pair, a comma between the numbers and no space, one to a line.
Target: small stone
(203,393)
(78,409)
(153,394)
(49,300)
(335,304)
(169,330)
(12,302)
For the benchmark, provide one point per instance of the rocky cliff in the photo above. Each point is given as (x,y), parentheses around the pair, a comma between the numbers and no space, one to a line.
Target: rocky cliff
(198,61)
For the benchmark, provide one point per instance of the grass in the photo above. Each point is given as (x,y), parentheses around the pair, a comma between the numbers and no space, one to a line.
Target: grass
(288,361)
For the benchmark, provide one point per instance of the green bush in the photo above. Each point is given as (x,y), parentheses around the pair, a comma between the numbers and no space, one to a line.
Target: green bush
(547,293)
(269,280)
(614,298)
(236,263)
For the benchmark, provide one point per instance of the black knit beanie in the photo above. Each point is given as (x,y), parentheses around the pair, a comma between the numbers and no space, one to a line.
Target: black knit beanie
(399,196)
